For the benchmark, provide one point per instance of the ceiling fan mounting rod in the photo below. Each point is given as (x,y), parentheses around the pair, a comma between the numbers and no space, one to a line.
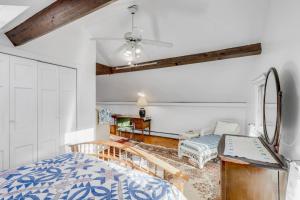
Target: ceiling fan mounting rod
(132,9)
(132,22)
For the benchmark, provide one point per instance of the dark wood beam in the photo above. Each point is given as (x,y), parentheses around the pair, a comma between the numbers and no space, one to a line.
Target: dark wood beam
(103,69)
(236,52)
(57,14)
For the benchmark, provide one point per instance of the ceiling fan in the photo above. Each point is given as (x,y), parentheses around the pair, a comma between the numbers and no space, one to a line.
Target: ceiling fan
(132,48)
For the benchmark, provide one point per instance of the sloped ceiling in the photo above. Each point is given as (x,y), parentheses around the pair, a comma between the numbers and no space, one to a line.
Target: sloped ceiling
(34,6)
(219,81)
(193,26)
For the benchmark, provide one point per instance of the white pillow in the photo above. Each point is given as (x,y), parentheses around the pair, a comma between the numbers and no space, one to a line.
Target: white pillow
(226,128)
(189,135)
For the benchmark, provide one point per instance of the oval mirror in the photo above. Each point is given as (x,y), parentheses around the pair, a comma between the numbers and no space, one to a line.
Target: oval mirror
(272,109)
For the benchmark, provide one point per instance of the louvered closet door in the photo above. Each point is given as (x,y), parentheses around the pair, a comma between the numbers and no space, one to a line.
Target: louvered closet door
(23,111)
(48,111)
(4,112)
(67,104)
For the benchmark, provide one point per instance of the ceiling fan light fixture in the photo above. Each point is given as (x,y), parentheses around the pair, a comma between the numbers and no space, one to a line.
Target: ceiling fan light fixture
(128,53)
(130,59)
(138,49)
(133,51)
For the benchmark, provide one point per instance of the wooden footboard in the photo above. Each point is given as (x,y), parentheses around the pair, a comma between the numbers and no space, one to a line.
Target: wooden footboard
(134,158)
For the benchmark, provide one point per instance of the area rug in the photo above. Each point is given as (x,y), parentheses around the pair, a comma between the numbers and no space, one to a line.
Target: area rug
(203,183)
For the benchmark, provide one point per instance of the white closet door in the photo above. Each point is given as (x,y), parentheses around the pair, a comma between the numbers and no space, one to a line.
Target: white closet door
(23,111)
(4,112)
(48,111)
(67,105)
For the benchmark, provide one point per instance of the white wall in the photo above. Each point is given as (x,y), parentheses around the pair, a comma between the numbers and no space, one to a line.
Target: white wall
(216,90)
(218,81)
(281,47)
(185,97)
(175,118)
(222,81)
(70,46)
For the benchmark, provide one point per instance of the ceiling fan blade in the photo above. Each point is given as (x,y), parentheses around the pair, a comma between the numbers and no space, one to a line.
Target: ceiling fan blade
(107,38)
(157,43)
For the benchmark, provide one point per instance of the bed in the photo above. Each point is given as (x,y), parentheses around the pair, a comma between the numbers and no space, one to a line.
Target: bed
(81,176)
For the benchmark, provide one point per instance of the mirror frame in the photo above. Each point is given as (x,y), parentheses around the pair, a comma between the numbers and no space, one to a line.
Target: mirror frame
(274,143)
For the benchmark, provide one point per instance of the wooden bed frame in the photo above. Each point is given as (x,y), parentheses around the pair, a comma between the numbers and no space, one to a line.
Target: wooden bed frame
(123,154)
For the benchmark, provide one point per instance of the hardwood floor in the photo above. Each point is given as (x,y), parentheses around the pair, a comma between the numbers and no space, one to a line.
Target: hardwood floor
(151,139)
(162,141)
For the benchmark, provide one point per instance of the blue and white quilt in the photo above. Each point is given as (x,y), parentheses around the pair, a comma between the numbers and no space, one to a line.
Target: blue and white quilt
(78,176)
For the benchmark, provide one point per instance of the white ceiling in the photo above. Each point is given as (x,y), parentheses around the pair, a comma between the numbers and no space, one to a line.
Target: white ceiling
(8,13)
(33,7)
(193,26)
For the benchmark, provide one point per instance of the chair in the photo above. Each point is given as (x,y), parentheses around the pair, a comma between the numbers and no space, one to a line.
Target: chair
(200,146)
(125,125)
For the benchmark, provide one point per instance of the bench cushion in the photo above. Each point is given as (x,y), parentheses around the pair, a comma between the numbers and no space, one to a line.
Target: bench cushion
(200,149)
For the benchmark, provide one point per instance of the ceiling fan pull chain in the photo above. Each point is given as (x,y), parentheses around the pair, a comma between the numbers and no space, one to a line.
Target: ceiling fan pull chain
(132,22)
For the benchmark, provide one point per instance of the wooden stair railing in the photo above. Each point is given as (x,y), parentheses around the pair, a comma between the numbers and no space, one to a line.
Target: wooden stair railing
(132,157)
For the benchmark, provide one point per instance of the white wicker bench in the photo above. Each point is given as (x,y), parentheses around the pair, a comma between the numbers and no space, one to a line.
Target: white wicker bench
(201,146)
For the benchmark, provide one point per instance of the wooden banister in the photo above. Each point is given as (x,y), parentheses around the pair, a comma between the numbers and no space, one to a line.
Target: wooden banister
(123,154)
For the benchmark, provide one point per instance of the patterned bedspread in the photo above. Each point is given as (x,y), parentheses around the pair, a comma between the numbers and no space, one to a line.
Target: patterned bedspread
(77,176)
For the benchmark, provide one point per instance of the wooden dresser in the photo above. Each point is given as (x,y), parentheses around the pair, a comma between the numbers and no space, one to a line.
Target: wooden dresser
(246,179)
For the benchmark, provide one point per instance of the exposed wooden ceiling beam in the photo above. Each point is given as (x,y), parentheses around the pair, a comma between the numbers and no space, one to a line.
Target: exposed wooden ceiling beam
(103,69)
(235,52)
(57,14)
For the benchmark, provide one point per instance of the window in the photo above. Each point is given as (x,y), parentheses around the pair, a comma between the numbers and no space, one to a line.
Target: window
(259,86)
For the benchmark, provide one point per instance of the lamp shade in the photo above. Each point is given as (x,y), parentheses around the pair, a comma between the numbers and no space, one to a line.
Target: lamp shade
(142,102)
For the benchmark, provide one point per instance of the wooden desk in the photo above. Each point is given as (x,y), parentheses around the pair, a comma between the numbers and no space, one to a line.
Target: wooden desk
(139,123)
(246,179)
